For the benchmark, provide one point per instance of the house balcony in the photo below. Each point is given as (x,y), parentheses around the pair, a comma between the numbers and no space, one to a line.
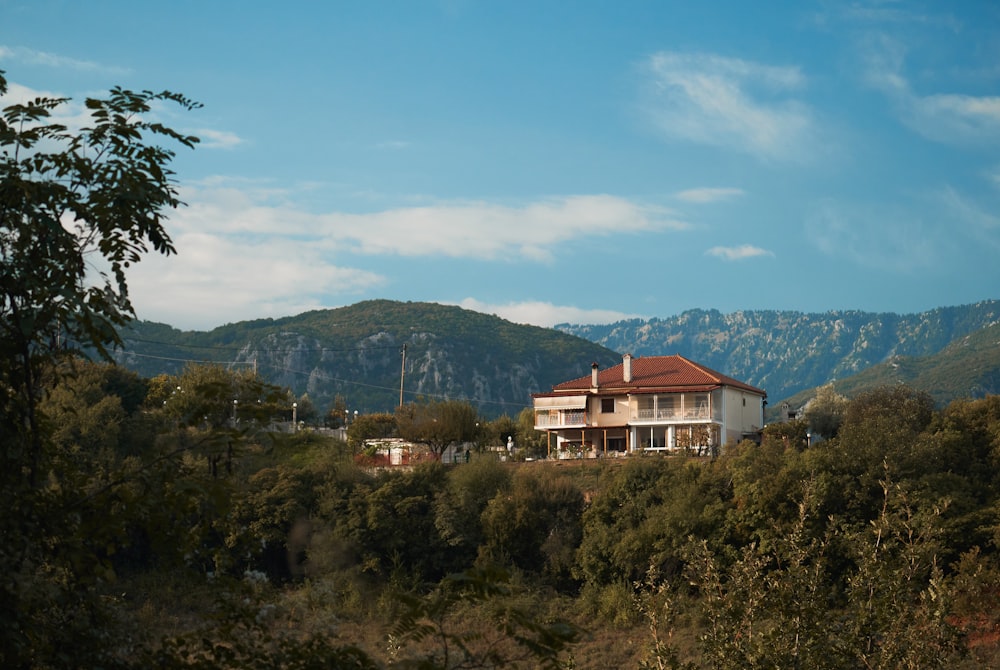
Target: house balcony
(555,419)
(670,415)
(675,408)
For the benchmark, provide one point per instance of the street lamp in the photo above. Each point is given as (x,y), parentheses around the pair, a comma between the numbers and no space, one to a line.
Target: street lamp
(295,417)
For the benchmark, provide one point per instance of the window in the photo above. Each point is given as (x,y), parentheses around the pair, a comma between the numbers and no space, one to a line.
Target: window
(607,405)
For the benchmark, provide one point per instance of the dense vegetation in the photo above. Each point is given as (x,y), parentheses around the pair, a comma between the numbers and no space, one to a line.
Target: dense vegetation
(197,534)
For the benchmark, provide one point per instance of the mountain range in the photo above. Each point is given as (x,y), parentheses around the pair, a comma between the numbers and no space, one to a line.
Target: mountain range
(787,352)
(357,351)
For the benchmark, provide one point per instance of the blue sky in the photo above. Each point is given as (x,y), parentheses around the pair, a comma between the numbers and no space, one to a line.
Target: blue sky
(553,161)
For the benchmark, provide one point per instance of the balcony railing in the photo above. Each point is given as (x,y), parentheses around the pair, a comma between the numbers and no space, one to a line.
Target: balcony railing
(687,414)
(562,418)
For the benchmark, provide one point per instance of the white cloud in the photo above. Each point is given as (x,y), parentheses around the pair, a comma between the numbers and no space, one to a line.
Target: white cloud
(244,252)
(458,230)
(731,103)
(994,177)
(34,57)
(949,118)
(18,94)
(738,253)
(217,139)
(708,195)
(545,314)
(970,218)
(961,119)
(216,279)
(890,238)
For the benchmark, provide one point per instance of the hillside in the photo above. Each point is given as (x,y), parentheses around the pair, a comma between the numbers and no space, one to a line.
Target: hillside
(355,352)
(451,352)
(788,352)
(968,367)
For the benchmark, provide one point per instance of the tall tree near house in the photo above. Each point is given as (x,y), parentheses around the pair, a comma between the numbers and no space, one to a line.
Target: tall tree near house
(438,424)
(78,206)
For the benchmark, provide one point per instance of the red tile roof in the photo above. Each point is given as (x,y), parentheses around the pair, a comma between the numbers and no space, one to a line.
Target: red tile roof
(657,373)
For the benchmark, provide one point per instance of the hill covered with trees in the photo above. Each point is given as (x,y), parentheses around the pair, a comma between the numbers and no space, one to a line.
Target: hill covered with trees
(969,367)
(356,352)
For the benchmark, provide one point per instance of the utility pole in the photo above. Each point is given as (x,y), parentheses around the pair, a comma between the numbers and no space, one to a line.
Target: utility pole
(402,375)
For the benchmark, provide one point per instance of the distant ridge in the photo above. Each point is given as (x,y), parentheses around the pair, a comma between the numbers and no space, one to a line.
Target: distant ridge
(786,352)
(969,367)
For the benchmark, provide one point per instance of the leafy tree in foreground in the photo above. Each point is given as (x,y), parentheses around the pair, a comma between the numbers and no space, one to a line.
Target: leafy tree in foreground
(77,208)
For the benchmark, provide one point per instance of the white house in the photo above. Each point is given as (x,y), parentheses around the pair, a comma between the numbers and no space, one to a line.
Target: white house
(663,403)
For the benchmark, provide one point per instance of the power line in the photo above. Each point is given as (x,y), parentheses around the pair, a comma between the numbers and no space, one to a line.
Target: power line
(219,347)
(329,378)
(182,360)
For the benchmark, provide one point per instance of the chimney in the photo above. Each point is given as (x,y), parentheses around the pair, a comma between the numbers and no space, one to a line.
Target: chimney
(593,375)
(627,368)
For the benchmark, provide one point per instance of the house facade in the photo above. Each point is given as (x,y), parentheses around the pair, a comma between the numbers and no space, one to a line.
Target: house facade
(651,403)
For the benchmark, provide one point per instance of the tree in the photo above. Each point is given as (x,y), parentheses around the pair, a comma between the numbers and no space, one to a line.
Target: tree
(533,442)
(370,427)
(535,526)
(337,415)
(438,424)
(825,412)
(459,506)
(306,412)
(71,201)
(496,432)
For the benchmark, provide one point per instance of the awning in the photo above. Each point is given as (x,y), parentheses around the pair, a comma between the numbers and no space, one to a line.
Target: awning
(562,402)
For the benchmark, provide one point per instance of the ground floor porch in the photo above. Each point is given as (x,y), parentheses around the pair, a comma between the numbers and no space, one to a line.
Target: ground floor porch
(700,439)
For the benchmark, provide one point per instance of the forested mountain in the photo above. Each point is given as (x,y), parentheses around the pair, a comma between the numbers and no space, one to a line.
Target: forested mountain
(786,352)
(356,352)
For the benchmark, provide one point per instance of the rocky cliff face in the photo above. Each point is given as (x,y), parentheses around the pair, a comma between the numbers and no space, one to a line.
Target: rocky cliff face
(356,352)
(453,353)
(786,352)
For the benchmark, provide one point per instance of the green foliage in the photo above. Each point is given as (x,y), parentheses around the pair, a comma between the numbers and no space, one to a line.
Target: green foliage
(241,634)
(212,397)
(532,442)
(496,432)
(390,524)
(70,201)
(825,411)
(641,519)
(460,505)
(535,527)
(438,424)
(370,427)
(514,638)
